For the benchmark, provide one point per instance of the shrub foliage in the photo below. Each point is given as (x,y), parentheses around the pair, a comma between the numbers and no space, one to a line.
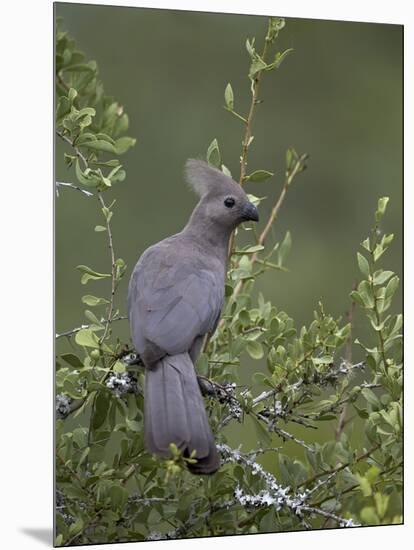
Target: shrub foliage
(108,487)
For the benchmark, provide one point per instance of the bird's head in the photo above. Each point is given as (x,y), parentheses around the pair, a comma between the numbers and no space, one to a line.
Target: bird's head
(223,201)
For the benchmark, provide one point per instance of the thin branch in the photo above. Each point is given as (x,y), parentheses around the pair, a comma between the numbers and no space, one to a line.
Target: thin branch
(77,329)
(248,131)
(272,217)
(249,121)
(113,269)
(110,240)
(62,82)
(79,154)
(72,186)
(341,467)
(375,308)
(286,435)
(357,485)
(348,357)
(343,522)
(275,495)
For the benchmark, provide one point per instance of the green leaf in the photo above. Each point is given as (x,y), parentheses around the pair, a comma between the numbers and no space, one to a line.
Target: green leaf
(100,145)
(276,24)
(80,437)
(83,176)
(93,300)
(250,47)
(90,274)
(366,244)
(365,486)
(121,125)
(226,171)
(90,111)
(122,144)
(100,409)
(117,174)
(256,200)
(369,516)
(278,60)
(244,317)
(391,287)
(79,68)
(260,378)
(92,317)
(73,390)
(255,349)
(257,65)
(262,432)
(371,398)
(119,367)
(73,360)
(259,175)
(382,206)
(250,249)
(105,137)
(76,527)
(72,94)
(356,297)
(87,337)
(381,503)
(63,107)
(229,96)
(363,265)
(291,157)
(99,228)
(133,425)
(213,154)
(365,293)
(380,277)
(202,364)
(83,456)
(284,249)
(110,163)
(382,246)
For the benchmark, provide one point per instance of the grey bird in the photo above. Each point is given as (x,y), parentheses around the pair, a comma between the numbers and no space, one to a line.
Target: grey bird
(175,297)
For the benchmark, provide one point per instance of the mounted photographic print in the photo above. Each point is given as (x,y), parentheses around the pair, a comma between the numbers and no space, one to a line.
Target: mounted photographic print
(228,262)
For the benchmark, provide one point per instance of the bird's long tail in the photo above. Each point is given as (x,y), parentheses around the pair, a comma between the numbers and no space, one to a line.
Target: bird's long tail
(174,412)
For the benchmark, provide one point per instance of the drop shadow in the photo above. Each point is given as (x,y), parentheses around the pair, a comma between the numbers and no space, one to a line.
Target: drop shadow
(44,535)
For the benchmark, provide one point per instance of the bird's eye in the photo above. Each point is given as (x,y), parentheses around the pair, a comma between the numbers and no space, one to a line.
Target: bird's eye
(229,202)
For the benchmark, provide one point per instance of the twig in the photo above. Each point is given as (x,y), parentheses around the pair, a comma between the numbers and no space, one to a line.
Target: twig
(110,239)
(113,269)
(248,131)
(348,357)
(275,494)
(286,435)
(249,120)
(272,218)
(375,308)
(357,485)
(77,329)
(341,467)
(62,82)
(343,522)
(71,185)
(76,149)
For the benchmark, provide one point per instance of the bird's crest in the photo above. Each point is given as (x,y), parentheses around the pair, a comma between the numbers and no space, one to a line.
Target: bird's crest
(205,179)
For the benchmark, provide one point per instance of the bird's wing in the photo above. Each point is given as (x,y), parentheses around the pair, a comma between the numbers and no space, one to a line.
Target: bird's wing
(172,300)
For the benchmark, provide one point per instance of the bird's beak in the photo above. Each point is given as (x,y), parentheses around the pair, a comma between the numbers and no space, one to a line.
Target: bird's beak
(250,212)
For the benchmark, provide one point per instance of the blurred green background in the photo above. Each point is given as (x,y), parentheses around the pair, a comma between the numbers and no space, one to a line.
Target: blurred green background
(338,97)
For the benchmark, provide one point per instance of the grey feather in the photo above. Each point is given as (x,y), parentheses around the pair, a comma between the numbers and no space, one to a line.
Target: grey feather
(205,179)
(175,297)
